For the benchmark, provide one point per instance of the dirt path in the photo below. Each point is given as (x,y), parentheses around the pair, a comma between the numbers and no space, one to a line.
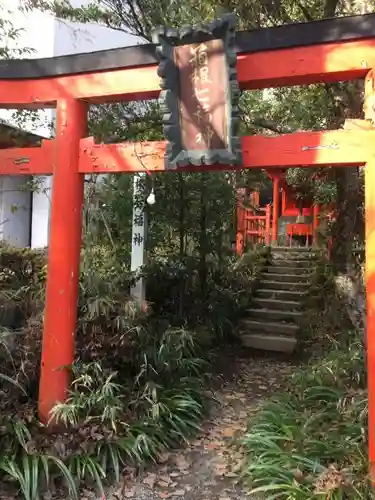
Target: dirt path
(206,468)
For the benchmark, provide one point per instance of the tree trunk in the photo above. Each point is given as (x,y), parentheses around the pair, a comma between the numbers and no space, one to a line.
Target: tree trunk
(346,228)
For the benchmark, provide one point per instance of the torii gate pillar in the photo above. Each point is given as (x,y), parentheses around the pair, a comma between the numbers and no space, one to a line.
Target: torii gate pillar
(63,257)
(369,112)
(275,175)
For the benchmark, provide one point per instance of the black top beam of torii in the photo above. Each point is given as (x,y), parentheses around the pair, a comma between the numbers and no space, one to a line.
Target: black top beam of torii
(340,29)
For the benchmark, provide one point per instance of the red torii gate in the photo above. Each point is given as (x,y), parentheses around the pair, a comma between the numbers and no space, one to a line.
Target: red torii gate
(324,51)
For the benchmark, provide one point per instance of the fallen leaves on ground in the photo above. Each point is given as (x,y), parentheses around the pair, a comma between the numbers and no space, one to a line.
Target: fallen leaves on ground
(208,468)
(130,493)
(150,480)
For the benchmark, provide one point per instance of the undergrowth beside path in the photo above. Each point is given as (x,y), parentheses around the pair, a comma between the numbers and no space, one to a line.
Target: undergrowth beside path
(311,442)
(139,381)
(109,420)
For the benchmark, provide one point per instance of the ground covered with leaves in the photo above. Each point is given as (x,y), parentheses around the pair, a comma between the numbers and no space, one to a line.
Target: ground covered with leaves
(208,467)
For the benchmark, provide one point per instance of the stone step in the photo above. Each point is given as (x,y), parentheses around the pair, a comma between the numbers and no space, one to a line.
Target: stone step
(281,269)
(279,295)
(271,327)
(273,343)
(304,250)
(294,253)
(274,314)
(289,278)
(283,285)
(279,304)
(308,259)
(304,263)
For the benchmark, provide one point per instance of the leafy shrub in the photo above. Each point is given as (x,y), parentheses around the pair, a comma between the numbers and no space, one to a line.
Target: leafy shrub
(311,442)
(138,383)
(22,280)
(110,418)
(176,293)
(22,267)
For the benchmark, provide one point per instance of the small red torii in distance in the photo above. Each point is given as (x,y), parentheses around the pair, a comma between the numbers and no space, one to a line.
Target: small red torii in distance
(287,55)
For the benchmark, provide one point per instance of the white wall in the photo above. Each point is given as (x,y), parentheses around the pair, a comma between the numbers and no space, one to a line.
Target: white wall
(47,37)
(14,211)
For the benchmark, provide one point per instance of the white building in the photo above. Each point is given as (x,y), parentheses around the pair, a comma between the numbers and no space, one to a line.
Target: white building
(46,36)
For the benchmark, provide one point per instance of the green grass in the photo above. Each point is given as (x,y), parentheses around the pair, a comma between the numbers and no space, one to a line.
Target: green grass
(311,443)
(108,420)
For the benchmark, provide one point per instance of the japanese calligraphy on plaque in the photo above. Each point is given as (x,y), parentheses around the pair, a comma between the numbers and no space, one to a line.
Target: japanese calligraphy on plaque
(198,71)
(202,96)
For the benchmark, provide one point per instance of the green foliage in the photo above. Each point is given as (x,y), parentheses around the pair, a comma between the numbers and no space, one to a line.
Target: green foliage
(136,121)
(29,471)
(110,418)
(311,443)
(137,389)
(175,290)
(138,383)
(9,35)
(21,267)
(22,280)
(193,214)
(94,397)
(140,16)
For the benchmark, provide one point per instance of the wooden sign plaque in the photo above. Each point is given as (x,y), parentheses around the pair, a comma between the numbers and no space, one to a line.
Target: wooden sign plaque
(199,94)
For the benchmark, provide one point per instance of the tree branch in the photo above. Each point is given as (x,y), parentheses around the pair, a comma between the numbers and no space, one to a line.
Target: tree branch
(305,12)
(330,8)
(265,124)
(273,127)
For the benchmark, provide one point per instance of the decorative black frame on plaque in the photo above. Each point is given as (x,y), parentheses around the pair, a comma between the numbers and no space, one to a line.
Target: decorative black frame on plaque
(168,38)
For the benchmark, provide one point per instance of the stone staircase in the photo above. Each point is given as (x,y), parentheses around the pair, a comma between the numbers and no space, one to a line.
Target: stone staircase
(272,322)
